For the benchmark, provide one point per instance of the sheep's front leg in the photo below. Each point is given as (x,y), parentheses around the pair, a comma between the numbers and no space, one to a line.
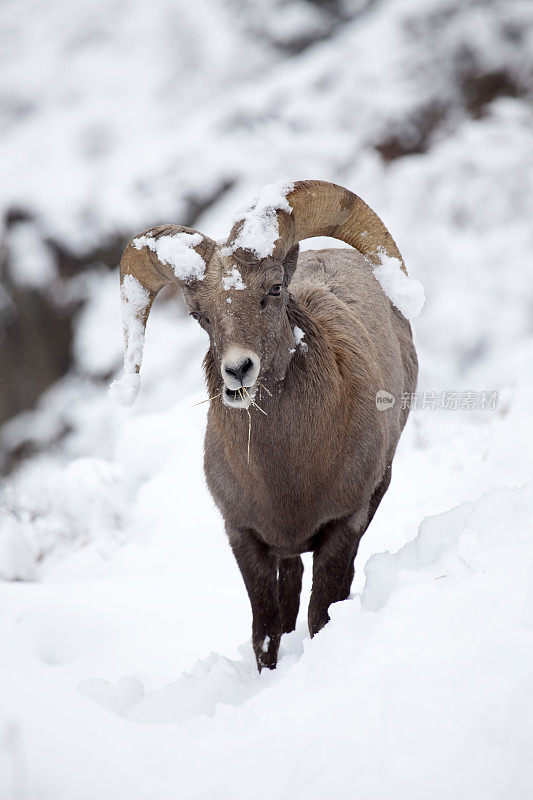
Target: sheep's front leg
(289,588)
(259,569)
(332,568)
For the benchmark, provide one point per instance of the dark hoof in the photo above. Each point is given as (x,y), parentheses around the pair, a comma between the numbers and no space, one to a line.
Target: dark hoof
(266,652)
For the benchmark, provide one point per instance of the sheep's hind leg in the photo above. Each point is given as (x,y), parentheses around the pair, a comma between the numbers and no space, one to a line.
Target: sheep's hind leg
(259,569)
(375,500)
(289,588)
(378,495)
(333,559)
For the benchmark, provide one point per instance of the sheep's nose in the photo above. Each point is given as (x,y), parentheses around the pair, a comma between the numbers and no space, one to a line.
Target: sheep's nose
(239,367)
(240,371)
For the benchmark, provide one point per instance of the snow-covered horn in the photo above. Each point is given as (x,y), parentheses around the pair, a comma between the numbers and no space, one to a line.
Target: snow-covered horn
(284,214)
(166,254)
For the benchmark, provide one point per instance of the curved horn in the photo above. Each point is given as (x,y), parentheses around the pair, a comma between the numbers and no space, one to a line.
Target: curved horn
(313,208)
(166,254)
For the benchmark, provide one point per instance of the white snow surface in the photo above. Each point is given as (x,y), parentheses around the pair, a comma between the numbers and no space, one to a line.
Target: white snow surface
(260,228)
(134,302)
(126,670)
(406,293)
(178,252)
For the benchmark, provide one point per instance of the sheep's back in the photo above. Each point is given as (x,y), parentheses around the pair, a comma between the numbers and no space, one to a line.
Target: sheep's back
(348,275)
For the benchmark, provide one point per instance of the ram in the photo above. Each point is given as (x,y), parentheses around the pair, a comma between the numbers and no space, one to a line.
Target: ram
(310,349)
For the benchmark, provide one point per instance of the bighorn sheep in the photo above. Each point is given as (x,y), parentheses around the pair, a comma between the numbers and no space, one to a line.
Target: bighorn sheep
(318,337)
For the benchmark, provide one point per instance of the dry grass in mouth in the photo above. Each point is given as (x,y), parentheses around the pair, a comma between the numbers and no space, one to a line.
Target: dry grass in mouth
(252,402)
(249,426)
(262,385)
(207,399)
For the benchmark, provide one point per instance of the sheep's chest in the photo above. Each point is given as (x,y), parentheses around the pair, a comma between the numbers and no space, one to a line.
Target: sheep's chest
(283,493)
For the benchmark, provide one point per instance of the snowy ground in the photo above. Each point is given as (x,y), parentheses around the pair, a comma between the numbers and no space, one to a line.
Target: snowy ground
(125,665)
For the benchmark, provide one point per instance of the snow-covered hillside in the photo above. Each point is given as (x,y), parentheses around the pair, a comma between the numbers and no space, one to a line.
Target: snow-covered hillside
(125,666)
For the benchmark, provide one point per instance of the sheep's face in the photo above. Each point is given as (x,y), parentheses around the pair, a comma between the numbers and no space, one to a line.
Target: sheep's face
(243,308)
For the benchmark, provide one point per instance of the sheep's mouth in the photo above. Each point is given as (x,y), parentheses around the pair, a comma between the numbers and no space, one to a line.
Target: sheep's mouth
(238,398)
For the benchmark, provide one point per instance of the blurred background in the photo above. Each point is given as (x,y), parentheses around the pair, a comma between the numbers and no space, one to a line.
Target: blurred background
(116,116)
(115,572)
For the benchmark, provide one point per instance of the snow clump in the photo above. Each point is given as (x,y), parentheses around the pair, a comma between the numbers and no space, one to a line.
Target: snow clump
(404,292)
(233,280)
(299,339)
(134,302)
(260,228)
(178,252)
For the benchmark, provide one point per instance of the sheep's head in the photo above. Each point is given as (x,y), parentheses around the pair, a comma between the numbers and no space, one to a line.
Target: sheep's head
(238,291)
(242,306)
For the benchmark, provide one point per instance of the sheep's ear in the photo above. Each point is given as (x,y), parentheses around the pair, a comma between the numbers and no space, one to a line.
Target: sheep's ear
(290,262)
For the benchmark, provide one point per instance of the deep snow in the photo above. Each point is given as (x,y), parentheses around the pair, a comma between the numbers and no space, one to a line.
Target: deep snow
(125,666)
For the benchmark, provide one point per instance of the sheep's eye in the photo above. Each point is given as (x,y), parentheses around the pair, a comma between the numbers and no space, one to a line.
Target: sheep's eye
(195,315)
(276,290)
